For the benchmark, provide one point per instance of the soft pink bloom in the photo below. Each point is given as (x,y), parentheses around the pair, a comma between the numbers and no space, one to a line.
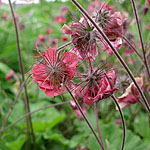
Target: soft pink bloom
(101,89)
(64,38)
(41,38)
(10,76)
(131,94)
(1,3)
(60,19)
(53,42)
(48,31)
(148,2)
(79,97)
(64,10)
(148,27)
(118,122)
(54,72)
(5,16)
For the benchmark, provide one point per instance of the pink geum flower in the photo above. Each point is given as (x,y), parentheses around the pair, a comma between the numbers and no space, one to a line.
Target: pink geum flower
(5,16)
(54,73)
(131,95)
(10,76)
(102,87)
(41,38)
(113,30)
(79,97)
(148,2)
(64,10)
(53,42)
(83,38)
(64,38)
(48,31)
(1,3)
(60,19)
(148,27)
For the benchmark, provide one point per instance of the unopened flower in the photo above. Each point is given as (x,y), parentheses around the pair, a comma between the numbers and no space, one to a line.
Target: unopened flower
(10,76)
(5,16)
(79,97)
(148,27)
(131,95)
(64,38)
(53,42)
(54,72)
(48,31)
(101,86)
(41,38)
(148,2)
(60,19)
(64,10)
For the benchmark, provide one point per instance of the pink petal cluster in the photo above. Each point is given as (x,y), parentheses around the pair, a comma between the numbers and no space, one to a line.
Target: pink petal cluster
(60,19)
(41,38)
(79,97)
(64,38)
(113,30)
(1,3)
(48,31)
(131,94)
(148,2)
(102,89)
(83,38)
(54,72)
(10,76)
(5,16)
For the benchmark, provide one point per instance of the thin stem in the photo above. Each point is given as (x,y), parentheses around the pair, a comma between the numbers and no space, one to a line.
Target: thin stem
(30,113)
(141,39)
(85,118)
(63,46)
(98,126)
(113,49)
(123,121)
(29,121)
(15,101)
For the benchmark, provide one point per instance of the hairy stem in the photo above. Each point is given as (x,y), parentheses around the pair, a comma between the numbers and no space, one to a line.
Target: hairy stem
(63,46)
(98,126)
(123,121)
(26,101)
(84,12)
(30,113)
(85,118)
(141,39)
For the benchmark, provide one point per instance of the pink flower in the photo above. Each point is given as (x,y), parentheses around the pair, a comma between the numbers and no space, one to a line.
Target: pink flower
(5,16)
(1,3)
(64,10)
(53,42)
(64,38)
(131,94)
(113,30)
(148,27)
(54,72)
(102,88)
(84,39)
(148,2)
(10,76)
(41,38)
(79,97)
(60,19)
(48,31)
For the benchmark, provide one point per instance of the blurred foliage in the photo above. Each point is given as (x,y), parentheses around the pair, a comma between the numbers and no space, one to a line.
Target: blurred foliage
(59,128)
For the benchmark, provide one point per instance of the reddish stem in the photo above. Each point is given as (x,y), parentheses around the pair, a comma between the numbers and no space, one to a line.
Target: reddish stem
(84,12)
